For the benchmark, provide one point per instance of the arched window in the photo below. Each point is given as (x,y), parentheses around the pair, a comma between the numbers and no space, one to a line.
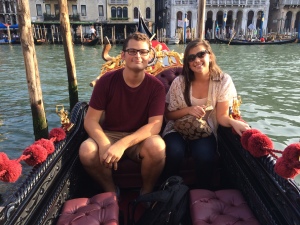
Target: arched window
(148,13)
(135,13)
(113,12)
(189,18)
(119,12)
(125,12)
(179,19)
(14,20)
(259,19)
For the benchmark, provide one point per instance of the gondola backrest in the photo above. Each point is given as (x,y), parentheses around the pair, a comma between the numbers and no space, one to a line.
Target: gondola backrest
(168,75)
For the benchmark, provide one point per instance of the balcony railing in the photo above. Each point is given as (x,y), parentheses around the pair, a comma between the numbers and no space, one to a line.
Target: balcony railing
(185,2)
(291,2)
(119,18)
(118,2)
(236,2)
(74,17)
(49,17)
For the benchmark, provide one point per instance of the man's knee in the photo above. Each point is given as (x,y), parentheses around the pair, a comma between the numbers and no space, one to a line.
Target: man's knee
(155,147)
(88,152)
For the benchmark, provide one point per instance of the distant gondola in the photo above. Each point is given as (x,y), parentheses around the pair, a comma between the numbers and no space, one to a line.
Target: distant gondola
(90,42)
(39,41)
(246,42)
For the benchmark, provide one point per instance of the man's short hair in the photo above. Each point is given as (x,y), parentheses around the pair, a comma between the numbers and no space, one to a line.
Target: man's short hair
(138,37)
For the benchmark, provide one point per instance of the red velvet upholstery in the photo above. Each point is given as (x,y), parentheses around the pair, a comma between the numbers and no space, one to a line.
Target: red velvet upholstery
(168,75)
(223,207)
(101,209)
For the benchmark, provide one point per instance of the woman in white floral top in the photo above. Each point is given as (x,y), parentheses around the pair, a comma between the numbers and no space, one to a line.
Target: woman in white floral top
(188,95)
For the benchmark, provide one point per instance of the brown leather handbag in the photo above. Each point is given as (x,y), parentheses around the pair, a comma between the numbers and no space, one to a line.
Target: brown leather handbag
(193,128)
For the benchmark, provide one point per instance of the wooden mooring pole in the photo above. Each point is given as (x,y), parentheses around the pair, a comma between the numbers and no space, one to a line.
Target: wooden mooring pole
(69,52)
(40,125)
(101,35)
(201,19)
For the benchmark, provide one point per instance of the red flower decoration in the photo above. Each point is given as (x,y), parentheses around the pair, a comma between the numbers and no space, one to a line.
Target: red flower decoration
(286,169)
(246,135)
(259,144)
(47,144)
(34,155)
(57,134)
(10,170)
(292,152)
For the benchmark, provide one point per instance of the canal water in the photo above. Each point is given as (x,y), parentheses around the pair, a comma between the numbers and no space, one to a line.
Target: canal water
(266,77)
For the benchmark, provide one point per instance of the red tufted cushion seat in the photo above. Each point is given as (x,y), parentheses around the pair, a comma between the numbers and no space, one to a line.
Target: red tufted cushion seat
(168,75)
(100,209)
(223,207)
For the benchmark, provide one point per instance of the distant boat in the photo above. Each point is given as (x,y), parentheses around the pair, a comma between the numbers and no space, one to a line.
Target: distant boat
(91,42)
(173,41)
(246,42)
(39,41)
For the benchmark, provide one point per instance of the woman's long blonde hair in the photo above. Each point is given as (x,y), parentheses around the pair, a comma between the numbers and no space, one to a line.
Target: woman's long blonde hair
(188,74)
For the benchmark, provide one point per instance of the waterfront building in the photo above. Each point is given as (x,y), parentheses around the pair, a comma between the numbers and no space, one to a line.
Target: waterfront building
(122,16)
(225,15)
(285,15)
(8,12)
(114,18)
(79,10)
(119,17)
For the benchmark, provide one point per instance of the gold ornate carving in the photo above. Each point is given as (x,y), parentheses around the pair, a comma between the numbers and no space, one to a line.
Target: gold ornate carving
(64,120)
(113,63)
(236,114)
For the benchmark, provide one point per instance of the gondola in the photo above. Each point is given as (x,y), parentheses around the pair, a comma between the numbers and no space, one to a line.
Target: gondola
(90,42)
(246,42)
(39,41)
(142,28)
(39,199)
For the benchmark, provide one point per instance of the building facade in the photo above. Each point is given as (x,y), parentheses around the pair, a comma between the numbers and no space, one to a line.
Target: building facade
(171,15)
(224,14)
(104,11)
(122,16)
(79,10)
(116,17)
(8,12)
(284,15)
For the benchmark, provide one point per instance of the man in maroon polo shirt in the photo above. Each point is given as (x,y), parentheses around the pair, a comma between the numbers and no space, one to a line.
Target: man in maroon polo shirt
(133,103)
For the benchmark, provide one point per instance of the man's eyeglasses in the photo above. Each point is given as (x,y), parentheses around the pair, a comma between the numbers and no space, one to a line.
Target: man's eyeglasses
(132,51)
(200,55)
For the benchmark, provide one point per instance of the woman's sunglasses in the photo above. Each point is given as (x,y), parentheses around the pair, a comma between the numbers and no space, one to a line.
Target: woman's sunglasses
(200,55)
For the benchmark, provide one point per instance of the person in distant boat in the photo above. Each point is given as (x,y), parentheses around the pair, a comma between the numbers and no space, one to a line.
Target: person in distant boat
(208,35)
(133,103)
(93,32)
(189,94)
(262,39)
